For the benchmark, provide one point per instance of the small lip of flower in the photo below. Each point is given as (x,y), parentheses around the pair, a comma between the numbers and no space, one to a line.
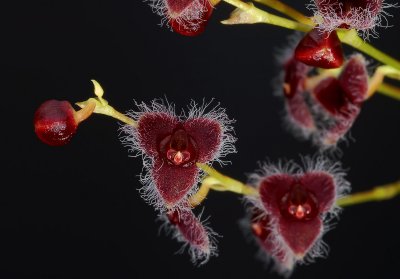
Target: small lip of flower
(363,16)
(187,17)
(171,145)
(196,236)
(294,208)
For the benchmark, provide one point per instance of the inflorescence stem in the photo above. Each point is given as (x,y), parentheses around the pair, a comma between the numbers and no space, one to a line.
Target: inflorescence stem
(286,10)
(379,193)
(389,90)
(251,14)
(260,16)
(102,106)
(220,182)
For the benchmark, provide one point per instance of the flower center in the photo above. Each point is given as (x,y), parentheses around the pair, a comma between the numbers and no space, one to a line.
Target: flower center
(179,148)
(299,204)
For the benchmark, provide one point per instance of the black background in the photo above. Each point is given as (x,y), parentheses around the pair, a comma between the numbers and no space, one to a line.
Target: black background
(74,212)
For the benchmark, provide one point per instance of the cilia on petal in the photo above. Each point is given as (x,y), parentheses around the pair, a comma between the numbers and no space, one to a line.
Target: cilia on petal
(194,234)
(293,209)
(171,145)
(362,15)
(322,105)
(186,17)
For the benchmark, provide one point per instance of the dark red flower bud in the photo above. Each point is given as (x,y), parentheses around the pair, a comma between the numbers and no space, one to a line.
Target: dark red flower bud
(186,17)
(320,49)
(189,17)
(55,122)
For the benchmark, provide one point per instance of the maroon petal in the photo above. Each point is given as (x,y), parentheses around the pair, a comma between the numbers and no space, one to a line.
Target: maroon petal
(322,185)
(207,133)
(295,75)
(299,112)
(152,128)
(354,79)
(357,14)
(173,183)
(342,125)
(320,49)
(346,8)
(175,8)
(300,236)
(189,17)
(262,230)
(331,96)
(272,189)
(293,88)
(190,229)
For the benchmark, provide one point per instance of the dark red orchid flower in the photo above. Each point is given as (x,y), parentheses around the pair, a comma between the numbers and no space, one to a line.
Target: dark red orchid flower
(194,234)
(326,110)
(294,205)
(362,15)
(171,145)
(339,100)
(186,17)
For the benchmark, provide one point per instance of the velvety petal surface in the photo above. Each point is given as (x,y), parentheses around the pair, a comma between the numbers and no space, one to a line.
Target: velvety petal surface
(272,189)
(207,133)
(354,79)
(189,17)
(261,228)
(295,74)
(331,96)
(300,236)
(152,128)
(173,182)
(344,8)
(176,7)
(293,88)
(341,126)
(190,228)
(299,112)
(322,185)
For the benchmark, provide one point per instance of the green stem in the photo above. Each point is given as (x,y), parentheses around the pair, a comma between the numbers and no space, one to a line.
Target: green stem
(389,91)
(227,183)
(101,106)
(260,16)
(220,182)
(379,193)
(286,10)
(351,38)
